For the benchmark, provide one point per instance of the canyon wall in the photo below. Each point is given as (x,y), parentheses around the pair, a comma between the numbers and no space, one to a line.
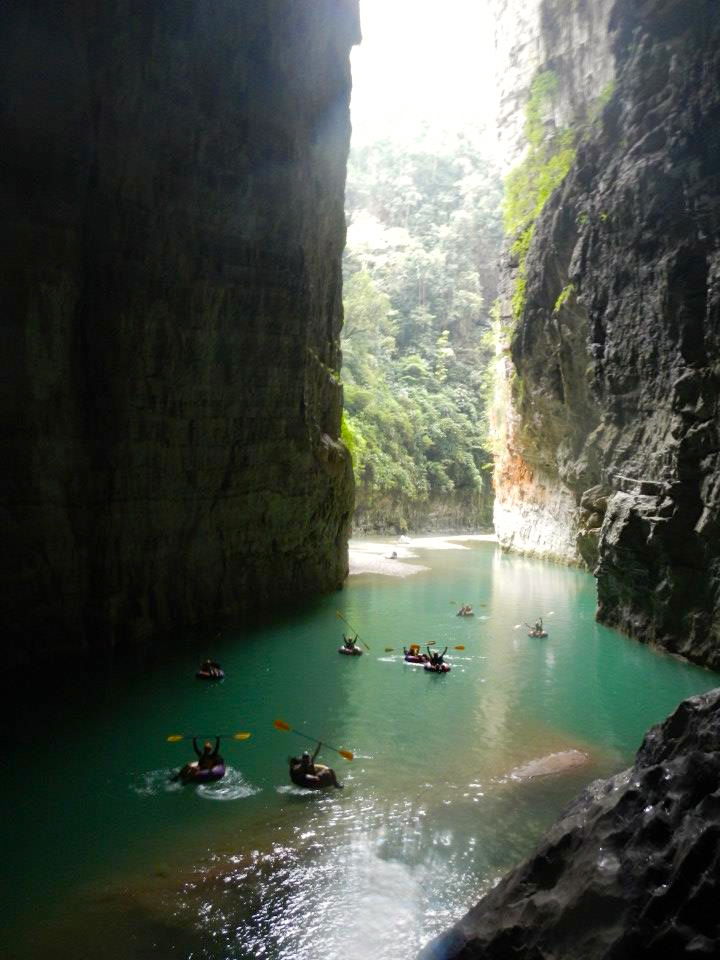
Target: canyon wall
(613,354)
(464,509)
(568,43)
(172,193)
(628,872)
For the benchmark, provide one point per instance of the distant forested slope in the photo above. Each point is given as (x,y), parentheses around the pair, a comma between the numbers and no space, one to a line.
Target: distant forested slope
(420,278)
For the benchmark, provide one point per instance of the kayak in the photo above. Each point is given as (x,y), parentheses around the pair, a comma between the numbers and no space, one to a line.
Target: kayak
(416,658)
(442,668)
(350,651)
(204,675)
(207,775)
(539,636)
(458,614)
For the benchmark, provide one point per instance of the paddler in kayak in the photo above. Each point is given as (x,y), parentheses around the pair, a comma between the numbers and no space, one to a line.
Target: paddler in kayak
(207,758)
(349,642)
(304,772)
(436,659)
(211,667)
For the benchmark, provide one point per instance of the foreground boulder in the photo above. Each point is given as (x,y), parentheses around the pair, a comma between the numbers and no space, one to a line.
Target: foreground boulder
(630,871)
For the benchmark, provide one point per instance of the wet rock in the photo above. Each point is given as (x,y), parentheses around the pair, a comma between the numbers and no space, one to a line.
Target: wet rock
(629,872)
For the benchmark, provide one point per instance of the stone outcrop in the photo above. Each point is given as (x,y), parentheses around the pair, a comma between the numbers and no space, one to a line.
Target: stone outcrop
(630,871)
(172,195)
(616,348)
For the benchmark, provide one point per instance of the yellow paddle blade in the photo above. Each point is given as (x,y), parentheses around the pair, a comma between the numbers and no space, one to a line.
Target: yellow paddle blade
(241,735)
(175,738)
(281,725)
(460,647)
(338,615)
(346,754)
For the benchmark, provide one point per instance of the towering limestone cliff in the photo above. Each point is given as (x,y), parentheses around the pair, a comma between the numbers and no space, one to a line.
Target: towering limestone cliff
(172,195)
(611,456)
(554,67)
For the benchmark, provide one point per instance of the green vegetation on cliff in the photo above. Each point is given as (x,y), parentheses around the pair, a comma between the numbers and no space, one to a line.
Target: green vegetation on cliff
(529,186)
(419,279)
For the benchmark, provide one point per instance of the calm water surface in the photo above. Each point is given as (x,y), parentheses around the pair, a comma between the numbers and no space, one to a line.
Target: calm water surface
(108,859)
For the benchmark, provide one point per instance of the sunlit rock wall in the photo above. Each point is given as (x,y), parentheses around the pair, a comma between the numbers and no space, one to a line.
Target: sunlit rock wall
(620,384)
(569,37)
(535,510)
(172,195)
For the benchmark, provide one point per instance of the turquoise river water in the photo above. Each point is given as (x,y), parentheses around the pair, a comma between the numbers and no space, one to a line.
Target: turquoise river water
(105,858)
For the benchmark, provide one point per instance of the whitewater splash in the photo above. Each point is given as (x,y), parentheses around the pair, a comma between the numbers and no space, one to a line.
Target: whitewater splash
(155,783)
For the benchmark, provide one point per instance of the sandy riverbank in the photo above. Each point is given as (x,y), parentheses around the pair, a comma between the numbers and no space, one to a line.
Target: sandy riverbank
(374,556)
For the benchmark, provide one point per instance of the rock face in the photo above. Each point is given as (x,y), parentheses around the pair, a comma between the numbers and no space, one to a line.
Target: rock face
(535,511)
(569,37)
(617,345)
(630,871)
(172,196)
(463,510)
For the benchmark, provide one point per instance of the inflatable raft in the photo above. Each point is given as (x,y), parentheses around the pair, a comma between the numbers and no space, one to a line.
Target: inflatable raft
(440,668)
(538,636)
(416,658)
(205,675)
(206,775)
(350,651)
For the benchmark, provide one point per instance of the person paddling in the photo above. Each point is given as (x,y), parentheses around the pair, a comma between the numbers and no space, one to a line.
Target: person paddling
(207,758)
(304,772)
(349,642)
(436,659)
(211,667)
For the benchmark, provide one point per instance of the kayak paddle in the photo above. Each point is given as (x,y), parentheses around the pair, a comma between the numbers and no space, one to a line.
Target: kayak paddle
(281,725)
(341,617)
(458,647)
(177,737)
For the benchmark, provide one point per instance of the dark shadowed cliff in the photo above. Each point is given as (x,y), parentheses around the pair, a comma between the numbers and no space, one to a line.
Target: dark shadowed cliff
(172,195)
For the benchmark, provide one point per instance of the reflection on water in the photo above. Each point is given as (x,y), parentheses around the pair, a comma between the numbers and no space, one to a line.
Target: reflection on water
(454,777)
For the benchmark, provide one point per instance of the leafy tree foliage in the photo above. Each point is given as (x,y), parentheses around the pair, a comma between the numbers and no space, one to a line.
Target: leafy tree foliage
(420,275)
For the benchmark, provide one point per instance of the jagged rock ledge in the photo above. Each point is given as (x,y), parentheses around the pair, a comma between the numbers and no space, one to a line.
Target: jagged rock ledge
(630,871)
